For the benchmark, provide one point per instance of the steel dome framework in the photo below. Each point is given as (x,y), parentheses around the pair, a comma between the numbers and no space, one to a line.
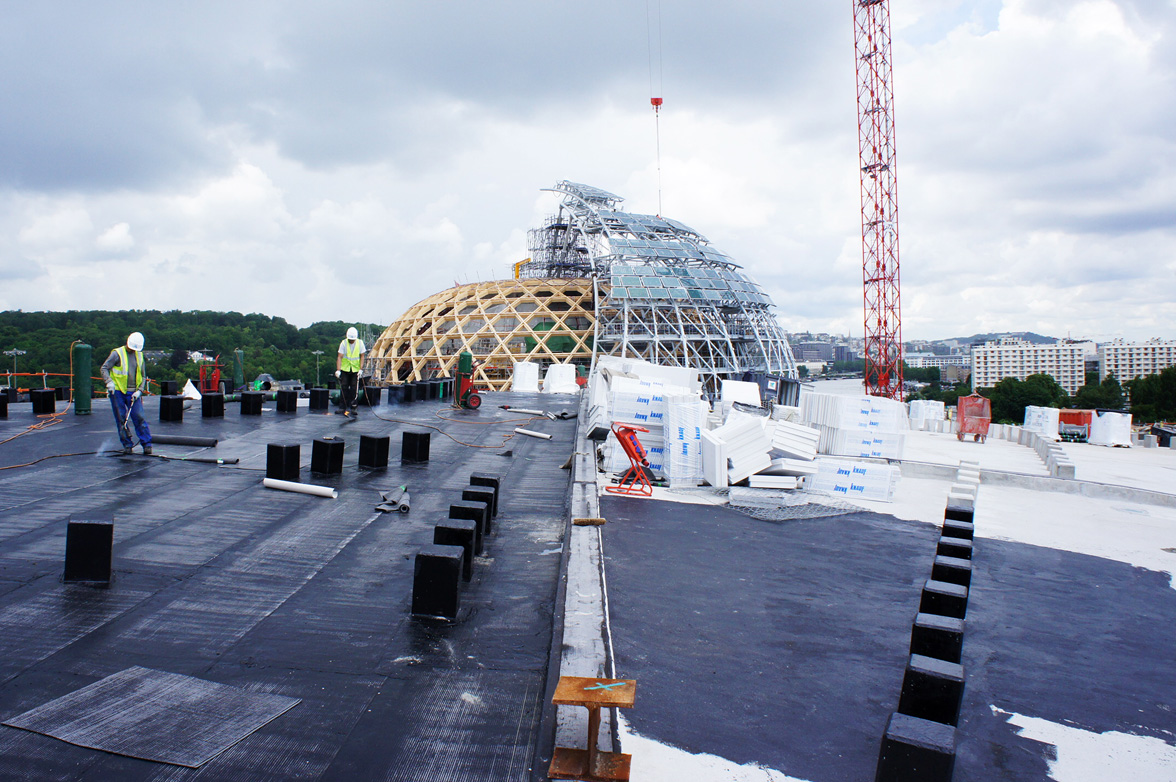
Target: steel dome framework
(663,293)
(600,281)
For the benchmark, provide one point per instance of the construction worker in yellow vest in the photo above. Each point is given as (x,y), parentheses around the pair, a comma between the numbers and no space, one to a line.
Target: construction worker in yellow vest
(348,363)
(126,380)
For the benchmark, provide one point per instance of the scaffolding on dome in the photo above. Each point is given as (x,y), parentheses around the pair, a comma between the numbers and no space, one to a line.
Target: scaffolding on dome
(663,293)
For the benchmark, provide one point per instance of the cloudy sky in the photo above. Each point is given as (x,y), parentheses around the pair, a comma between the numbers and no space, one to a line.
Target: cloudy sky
(342,160)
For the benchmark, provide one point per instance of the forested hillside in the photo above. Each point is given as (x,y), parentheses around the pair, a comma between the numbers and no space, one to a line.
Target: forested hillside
(271,344)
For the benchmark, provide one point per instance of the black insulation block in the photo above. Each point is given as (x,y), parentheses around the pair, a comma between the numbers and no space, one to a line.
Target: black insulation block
(916,750)
(932,690)
(89,546)
(326,456)
(436,581)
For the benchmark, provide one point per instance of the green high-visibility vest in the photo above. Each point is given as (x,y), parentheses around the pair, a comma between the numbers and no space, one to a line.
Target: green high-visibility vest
(350,362)
(118,373)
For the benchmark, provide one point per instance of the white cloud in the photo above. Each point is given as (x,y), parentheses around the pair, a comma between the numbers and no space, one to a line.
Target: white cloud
(115,240)
(319,171)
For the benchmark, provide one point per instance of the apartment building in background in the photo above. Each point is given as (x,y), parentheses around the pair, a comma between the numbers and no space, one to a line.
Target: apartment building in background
(1064,361)
(921,360)
(1129,360)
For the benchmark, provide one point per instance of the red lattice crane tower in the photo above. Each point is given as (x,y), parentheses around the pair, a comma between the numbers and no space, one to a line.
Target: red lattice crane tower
(875,104)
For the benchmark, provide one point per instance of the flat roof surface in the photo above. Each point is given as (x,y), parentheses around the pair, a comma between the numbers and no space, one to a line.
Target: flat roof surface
(776,651)
(218,578)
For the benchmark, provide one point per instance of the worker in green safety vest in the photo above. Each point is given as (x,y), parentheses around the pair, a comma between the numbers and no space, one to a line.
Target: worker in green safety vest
(348,363)
(123,364)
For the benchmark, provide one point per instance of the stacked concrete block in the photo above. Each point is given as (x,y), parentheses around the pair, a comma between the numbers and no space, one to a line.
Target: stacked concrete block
(1056,461)
(932,690)
(941,637)
(966,486)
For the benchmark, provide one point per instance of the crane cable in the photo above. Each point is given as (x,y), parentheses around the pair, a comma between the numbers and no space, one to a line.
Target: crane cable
(655,99)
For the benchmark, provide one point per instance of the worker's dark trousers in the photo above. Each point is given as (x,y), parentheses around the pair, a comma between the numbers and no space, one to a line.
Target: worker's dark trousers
(120,402)
(348,385)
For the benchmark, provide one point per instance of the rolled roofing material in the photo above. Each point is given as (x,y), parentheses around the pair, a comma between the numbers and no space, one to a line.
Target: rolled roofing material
(199,442)
(529,433)
(300,488)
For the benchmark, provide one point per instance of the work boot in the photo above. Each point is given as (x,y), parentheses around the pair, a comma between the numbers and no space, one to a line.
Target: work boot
(146,450)
(127,449)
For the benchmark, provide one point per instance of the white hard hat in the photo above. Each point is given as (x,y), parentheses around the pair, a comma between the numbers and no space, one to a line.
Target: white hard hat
(352,333)
(135,341)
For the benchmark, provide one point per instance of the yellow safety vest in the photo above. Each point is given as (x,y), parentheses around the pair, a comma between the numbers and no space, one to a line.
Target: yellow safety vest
(118,373)
(350,362)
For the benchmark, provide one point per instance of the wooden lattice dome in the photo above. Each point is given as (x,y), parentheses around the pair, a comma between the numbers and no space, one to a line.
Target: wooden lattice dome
(499,322)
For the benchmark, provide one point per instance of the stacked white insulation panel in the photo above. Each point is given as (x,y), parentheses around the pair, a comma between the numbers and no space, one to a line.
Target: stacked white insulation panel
(644,404)
(685,421)
(926,413)
(526,377)
(732,391)
(863,426)
(769,453)
(560,379)
(1110,428)
(855,480)
(1043,420)
(747,446)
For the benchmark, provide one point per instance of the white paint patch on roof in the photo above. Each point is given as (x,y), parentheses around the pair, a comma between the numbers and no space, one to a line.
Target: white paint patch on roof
(657,762)
(1140,535)
(1084,756)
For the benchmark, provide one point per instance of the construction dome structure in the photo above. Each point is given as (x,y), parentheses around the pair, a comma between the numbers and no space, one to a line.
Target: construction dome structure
(600,281)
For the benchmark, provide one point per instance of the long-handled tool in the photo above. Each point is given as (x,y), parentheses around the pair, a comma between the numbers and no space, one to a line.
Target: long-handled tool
(351,411)
(126,425)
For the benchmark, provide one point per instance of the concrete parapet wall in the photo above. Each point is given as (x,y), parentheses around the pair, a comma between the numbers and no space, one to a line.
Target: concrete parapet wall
(1059,483)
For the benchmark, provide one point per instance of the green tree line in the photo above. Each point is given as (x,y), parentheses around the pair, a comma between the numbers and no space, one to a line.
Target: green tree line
(271,345)
(1152,398)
